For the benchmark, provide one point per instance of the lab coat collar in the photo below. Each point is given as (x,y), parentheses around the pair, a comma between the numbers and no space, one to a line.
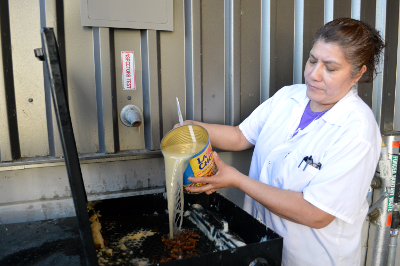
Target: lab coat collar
(338,114)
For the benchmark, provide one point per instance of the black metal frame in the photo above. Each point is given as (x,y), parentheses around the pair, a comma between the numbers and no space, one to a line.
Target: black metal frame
(49,53)
(125,211)
(9,80)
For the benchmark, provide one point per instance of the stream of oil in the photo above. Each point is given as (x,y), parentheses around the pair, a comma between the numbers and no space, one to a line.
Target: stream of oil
(176,159)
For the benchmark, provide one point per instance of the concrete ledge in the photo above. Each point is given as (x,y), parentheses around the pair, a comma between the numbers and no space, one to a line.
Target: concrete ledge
(58,208)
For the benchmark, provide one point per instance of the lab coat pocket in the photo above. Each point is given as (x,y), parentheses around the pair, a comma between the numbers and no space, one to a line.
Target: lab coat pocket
(293,177)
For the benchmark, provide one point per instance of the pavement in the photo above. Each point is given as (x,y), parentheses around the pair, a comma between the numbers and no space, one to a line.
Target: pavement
(41,243)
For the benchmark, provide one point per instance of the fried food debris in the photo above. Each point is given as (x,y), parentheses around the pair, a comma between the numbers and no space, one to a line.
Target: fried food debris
(95,225)
(182,246)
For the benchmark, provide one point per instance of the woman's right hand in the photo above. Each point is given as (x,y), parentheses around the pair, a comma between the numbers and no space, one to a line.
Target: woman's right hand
(186,122)
(226,176)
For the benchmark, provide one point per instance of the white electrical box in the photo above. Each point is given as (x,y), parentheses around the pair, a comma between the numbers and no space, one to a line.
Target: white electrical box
(132,14)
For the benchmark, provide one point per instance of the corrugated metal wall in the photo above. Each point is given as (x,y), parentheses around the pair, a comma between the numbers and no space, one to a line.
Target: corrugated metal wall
(199,62)
(211,62)
(222,60)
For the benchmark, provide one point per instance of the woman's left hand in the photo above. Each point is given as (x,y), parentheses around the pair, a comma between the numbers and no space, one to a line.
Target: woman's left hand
(227,176)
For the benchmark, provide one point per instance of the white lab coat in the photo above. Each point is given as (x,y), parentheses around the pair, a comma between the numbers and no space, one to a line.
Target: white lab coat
(346,141)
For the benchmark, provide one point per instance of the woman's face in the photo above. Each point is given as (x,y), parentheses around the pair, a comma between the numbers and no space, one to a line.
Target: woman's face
(328,75)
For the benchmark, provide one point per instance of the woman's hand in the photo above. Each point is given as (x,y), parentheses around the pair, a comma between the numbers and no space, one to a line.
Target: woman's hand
(227,176)
(186,122)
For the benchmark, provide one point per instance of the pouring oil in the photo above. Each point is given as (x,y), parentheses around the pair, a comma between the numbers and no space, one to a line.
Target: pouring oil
(187,153)
(176,159)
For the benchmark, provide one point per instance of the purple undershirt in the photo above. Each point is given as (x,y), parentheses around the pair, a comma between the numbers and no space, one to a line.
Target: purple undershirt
(308,117)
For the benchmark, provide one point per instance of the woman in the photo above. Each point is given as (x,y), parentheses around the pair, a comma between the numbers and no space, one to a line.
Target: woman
(316,147)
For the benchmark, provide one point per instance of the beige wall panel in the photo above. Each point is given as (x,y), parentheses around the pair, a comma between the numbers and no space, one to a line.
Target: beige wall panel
(28,78)
(173,69)
(250,57)
(213,61)
(129,40)
(81,80)
(5,149)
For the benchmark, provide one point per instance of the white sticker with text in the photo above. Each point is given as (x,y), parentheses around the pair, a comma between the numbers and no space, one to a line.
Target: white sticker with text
(128,70)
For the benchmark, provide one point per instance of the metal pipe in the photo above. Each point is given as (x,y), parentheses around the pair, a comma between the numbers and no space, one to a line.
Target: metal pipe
(131,116)
(394,231)
(394,234)
(378,236)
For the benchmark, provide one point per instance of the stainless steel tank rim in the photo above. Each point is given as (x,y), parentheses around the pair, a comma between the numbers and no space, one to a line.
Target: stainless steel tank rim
(83,159)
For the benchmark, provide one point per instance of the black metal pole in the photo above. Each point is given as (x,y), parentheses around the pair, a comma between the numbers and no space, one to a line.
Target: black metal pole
(9,80)
(49,53)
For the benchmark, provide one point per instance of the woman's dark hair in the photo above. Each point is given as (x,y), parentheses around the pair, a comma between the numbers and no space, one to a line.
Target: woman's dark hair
(361,43)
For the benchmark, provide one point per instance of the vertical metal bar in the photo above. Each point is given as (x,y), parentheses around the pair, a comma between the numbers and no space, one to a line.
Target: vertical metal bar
(61,40)
(115,114)
(9,80)
(47,92)
(228,29)
(193,73)
(48,18)
(197,61)
(265,49)
(298,42)
(389,70)
(236,59)
(144,49)
(232,62)
(189,59)
(150,89)
(68,144)
(378,82)
(356,9)
(160,101)
(5,148)
(328,11)
(396,119)
(105,96)
(99,89)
